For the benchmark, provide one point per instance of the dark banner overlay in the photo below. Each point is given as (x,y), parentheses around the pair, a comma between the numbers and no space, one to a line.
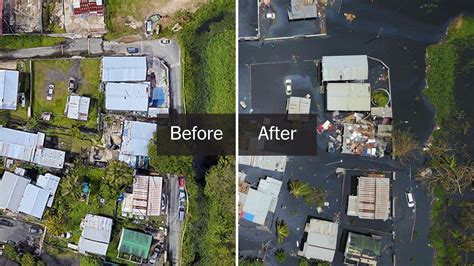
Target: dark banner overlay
(196,135)
(277,134)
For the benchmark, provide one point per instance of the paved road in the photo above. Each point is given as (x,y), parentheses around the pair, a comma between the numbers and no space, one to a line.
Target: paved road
(96,47)
(174,236)
(169,52)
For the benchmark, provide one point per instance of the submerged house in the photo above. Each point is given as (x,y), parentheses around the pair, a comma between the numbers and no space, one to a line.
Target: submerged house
(372,200)
(362,250)
(345,68)
(321,241)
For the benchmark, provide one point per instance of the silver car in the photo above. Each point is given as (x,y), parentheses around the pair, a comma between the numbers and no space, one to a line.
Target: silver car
(288,87)
(410,199)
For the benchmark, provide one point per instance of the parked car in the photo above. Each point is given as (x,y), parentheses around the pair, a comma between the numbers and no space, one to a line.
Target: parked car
(155,255)
(288,89)
(148,27)
(270,15)
(6,222)
(132,50)
(23,100)
(72,84)
(163,202)
(410,199)
(165,41)
(181,213)
(35,230)
(181,195)
(66,235)
(181,182)
(49,93)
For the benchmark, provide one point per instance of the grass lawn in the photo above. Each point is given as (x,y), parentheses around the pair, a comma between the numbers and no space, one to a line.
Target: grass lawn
(22,41)
(58,72)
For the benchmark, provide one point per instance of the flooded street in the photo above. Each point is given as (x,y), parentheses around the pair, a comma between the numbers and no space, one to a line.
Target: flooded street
(405,29)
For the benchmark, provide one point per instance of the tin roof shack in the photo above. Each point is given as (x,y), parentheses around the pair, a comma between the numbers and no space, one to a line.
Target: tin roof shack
(298,108)
(321,241)
(9,89)
(145,199)
(85,7)
(361,249)
(362,139)
(373,198)
(127,96)
(345,68)
(135,139)
(124,68)
(269,162)
(29,147)
(303,9)
(134,245)
(18,195)
(77,107)
(348,97)
(95,237)
(257,203)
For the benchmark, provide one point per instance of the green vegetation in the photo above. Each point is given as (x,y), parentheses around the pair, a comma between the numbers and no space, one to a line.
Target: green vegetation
(380,98)
(90,261)
(312,195)
(405,145)
(207,46)
(450,66)
(28,260)
(249,261)
(10,253)
(22,41)
(280,256)
(58,73)
(282,231)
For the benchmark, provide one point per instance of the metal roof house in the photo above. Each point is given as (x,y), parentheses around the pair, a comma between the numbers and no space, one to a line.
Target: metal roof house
(345,68)
(348,97)
(95,237)
(272,163)
(145,199)
(28,147)
(260,201)
(372,200)
(321,241)
(302,9)
(298,108)
(135,139)
(12,188)
(127,96)
(361,249)
(134,244)
(9,89)
(18,195)
(78,107)
(124,68)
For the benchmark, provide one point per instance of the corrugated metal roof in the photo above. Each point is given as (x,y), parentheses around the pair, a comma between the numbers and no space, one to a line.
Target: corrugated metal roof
(302,9)
(50,158)
(135,243)
(146,197)
(50,183)
(298,105)
(34,201)
(78,107)
(93,247)
(257,204)
(17,144)
(271,187)
(373,195)
(135,138)
(270,162)
(96,228)
(12,188)
(154,195)
(348,96)
(345,67)
(124,68)
(321,241)
(8,89)
(127,96)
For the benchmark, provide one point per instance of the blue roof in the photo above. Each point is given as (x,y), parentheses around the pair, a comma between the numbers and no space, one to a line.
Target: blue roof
(158,97)
(248,216)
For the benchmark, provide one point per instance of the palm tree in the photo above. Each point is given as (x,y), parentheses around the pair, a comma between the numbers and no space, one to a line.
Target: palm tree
(54,225)
(316,197)
(299,188)
(282,231)
(70,186)
(118,174)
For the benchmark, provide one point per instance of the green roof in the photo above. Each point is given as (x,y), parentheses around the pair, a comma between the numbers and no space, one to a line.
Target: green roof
(135,243)
(365,244)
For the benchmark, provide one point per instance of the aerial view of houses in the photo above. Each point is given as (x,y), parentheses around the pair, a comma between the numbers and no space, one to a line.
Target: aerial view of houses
(84,86)
(376,105)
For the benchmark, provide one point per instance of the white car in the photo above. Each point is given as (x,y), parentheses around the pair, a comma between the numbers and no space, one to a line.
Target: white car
(410,199)
(271,15)
(49,94)
(288,87)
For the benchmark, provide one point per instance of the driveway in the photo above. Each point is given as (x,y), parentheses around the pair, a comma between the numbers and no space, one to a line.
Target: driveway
(175,226)
(18,233)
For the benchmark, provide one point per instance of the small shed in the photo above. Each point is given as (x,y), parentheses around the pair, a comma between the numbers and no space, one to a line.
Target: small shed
(135,244)
(303,9)
(78,107)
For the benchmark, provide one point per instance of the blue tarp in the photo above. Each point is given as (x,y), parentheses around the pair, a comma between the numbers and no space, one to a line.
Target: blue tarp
(158,97)
(248,216)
